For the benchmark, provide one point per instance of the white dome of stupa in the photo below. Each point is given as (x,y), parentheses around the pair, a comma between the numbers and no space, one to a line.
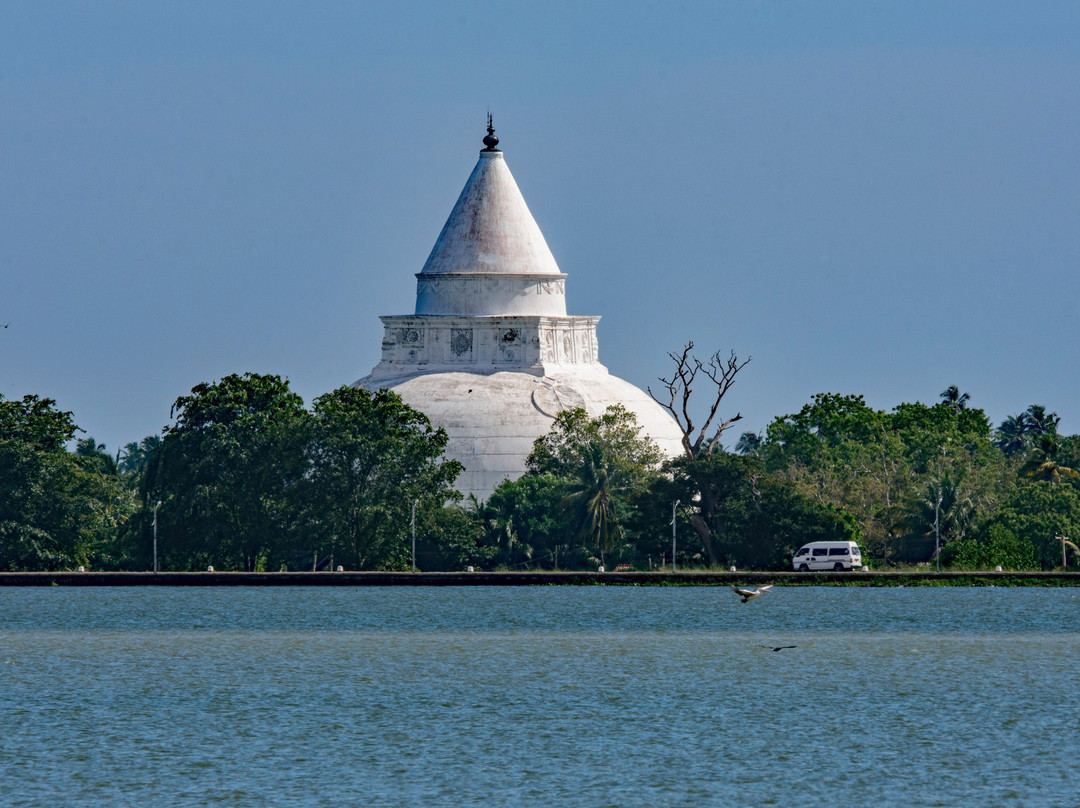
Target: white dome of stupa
(490,354)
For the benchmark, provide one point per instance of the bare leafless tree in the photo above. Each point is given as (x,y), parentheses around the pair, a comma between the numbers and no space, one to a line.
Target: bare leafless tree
(679,388)
(721,372)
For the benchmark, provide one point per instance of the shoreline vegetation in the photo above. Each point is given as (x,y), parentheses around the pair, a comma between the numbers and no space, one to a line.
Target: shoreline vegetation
(249,478)
(549,578)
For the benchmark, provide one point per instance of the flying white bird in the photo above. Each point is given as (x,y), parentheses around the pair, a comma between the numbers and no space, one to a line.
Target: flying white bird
(750,594)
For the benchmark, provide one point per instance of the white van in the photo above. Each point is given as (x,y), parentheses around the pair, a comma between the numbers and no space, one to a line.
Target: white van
(827,555)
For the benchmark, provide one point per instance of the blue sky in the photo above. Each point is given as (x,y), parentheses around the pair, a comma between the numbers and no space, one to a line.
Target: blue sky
(867,197)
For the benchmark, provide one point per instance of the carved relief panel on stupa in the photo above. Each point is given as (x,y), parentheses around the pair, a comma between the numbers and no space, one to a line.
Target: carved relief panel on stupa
(461,344)
(510,348)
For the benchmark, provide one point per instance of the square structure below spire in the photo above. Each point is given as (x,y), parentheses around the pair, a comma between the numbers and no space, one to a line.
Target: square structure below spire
(532,344)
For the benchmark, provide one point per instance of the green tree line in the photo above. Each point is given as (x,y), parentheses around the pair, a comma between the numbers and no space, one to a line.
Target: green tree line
(248,478)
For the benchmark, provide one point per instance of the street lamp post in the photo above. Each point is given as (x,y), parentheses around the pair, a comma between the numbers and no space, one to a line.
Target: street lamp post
(674,505)
(937,529)
(155,535)
(412,523)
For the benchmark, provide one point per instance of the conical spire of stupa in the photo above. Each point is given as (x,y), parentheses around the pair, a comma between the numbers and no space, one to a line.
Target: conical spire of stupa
(491,230)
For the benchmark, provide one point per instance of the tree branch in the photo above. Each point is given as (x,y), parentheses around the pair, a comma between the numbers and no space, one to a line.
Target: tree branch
(721,372)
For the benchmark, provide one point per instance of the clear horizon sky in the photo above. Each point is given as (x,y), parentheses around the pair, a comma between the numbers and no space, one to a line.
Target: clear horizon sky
(871,198)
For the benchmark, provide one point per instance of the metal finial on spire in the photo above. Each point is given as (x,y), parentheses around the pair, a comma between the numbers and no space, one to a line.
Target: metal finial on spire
(491,140)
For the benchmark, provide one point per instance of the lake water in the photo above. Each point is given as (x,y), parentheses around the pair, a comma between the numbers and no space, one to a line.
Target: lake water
(563,696)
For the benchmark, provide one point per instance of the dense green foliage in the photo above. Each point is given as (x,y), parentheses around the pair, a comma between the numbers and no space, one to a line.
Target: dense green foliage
(227,472)
(58,510)
(368,458)
(901,483)
(618,497)
(894,472)
(247,478)
(577,503)
(525,523)
(1024,532)
(919,477)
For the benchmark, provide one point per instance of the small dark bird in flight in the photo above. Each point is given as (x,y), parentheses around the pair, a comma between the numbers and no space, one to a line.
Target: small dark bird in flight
(778,647)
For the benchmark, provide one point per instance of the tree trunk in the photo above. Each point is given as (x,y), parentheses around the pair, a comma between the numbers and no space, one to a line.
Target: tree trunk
(705,534)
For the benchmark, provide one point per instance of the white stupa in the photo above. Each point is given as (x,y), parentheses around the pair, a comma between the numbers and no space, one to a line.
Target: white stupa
(490,354)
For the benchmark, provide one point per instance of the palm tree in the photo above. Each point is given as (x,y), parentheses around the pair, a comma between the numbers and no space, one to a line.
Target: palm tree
(941,505)
(499,522)
(592,498)
(96,455)
(1014,434)
(952,396)
(137,455)
(88,447)
(1043,464)
(1018,433)
(1042,422)
(749,443)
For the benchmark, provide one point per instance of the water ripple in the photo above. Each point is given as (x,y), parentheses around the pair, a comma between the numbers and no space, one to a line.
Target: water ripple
(519,697)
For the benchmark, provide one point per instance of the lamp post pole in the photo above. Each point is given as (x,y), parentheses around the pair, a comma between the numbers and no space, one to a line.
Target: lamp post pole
(937,529)
(674,505)
(155,535)
(412,523)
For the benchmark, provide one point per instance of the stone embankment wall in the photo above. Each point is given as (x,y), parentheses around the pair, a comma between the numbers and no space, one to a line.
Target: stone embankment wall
(539,578)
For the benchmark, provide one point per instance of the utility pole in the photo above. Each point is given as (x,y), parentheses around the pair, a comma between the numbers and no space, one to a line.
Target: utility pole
(155,535)
(412,522)
(937,528)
